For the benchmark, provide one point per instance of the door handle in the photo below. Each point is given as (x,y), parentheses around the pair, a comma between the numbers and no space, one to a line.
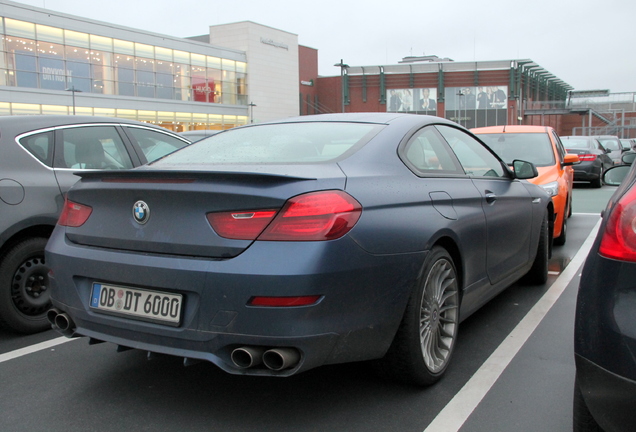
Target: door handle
(490,197)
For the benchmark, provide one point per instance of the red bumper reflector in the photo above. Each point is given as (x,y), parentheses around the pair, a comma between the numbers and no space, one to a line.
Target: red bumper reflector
(283,301)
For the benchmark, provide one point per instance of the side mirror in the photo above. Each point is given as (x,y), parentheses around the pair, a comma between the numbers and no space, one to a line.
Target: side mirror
(570,159)
(525,170)
(628,157)
(615,175)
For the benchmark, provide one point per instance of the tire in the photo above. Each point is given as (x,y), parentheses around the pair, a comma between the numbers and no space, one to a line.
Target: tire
(582,420)
(538,273)
(560,240)
(424,343)
(596,183)
(24,282)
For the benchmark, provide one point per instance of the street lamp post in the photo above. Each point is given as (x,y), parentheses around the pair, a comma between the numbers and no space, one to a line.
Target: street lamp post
(342,67)
(73,90)
(251,105)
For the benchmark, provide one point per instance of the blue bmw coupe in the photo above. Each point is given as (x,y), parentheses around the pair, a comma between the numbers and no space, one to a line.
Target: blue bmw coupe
(274,248)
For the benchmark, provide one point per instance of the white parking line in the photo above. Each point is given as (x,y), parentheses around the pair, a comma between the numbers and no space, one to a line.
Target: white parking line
(33,348)
(457,411)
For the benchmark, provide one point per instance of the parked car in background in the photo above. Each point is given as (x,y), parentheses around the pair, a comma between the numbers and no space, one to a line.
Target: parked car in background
(541,146)
(196,135)
(275,248)
(613,144)
(593,157)
(629,144)
(605,328)
(39,159)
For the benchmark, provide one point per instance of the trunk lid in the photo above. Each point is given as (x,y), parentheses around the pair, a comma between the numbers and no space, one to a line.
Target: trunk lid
(178,201)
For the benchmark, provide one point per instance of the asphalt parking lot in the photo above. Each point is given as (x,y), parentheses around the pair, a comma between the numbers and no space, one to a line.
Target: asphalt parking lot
(513,370)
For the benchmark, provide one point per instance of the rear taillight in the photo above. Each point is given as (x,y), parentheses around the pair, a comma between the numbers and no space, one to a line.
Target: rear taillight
(619,239)
(243,225)
(315,216)
(74,214)
(587,157)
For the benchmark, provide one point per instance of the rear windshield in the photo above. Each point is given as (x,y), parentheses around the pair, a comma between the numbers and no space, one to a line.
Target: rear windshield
(530,147)
(310,142)
(576,143)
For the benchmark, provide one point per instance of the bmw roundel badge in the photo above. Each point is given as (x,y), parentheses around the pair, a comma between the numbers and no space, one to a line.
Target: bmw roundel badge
(141,212)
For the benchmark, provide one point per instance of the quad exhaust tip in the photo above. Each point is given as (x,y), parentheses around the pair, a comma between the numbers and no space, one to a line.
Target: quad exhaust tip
(275,359)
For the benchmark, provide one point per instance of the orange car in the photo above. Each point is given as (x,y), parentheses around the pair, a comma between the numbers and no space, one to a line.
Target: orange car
(540,145)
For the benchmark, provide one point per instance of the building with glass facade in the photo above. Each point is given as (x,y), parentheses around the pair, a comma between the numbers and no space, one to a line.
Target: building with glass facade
(52,63)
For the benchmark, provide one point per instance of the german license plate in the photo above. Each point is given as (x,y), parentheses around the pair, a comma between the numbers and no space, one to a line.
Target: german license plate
(137,303)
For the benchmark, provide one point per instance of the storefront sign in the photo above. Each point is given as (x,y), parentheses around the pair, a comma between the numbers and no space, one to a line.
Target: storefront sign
(271,42)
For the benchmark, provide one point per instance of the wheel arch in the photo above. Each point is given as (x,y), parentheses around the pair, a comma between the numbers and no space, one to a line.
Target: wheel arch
(42,230)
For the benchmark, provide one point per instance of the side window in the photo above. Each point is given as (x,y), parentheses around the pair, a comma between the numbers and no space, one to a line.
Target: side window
(561,150)
(40,145)
(92,147)
(474,157)
(427,153)
(153,143)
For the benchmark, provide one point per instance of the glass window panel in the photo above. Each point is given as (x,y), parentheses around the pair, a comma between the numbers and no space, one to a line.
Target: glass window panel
(163,67)
(197,59)
(125,75)
(241,120)
(80,70)
(79,84)
(52,74)
(155,144)
(25,62)
(50,50)
(200,119)
(40,145)
(126,113)
(49,34)
(5,108)
(215,119)
(124,61)
(106,112)
(214,62)
(20,45)
(76,38)
(228,65)
(166,116)
(147,116)
(56,109)
(163,54)
(88,111)
(78,54)
(125,89)
(241,67)
(19,28)
(101,58)
(26,79)
(142,50)
(124,47)
(181,57)
(164,80)
(93,147)
(165,92)
(104,87)
(19,108)
(101,43)
(145,64)
(183,117)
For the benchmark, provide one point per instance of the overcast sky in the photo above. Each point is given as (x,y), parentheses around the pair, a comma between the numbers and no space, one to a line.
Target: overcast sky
(588,44)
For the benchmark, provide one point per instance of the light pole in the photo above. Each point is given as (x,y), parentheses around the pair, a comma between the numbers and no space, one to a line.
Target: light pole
(342,67)
(251,105)
(73,90)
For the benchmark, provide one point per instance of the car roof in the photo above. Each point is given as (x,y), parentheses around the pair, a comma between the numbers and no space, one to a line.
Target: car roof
(511,129)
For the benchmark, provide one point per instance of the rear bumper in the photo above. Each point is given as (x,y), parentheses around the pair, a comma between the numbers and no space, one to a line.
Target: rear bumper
(609,397)
(363,297)
(587,171)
